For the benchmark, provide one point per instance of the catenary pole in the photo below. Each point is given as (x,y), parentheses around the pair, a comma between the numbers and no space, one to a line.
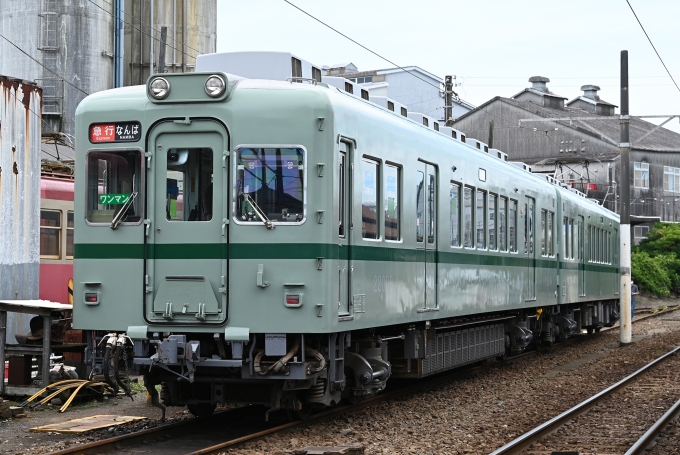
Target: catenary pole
(448,101)
(626,317)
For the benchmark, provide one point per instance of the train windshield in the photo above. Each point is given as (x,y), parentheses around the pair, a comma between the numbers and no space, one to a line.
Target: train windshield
(113,176)
(270,182)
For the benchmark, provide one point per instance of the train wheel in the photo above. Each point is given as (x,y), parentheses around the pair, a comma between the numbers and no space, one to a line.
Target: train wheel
(589,330)
(201,409)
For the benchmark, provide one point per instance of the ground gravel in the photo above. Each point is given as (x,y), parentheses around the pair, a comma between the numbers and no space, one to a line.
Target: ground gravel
(470,415)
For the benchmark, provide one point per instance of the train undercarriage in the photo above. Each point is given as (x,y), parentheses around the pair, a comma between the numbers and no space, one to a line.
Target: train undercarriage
(302,373)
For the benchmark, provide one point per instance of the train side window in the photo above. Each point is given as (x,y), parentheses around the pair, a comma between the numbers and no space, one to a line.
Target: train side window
(565,254)
(481,216)
(271,182)
(493,216)
(392,201)
(69,234)
(467,217)
(370,228)
(512,226)
(550,230)
(544,233)
(431,205)
(50,234)
(420,206)
(570,238)
(112,177)
(341,194)
(502,224)
(454,201)
(189,190)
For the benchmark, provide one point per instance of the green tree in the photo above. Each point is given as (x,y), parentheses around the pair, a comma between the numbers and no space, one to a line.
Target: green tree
(655,262)
(663,238)
(650,273)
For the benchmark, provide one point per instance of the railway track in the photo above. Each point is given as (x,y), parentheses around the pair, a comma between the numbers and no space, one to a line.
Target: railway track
(610,421)
(238,426)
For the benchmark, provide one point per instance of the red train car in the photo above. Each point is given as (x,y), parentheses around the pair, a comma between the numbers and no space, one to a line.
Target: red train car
(56,237)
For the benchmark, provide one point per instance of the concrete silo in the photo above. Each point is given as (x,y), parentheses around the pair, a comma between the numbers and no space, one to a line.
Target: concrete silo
(72,40)
(191,30)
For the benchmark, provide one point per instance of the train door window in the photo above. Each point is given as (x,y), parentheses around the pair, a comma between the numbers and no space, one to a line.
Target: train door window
(575,245)
(529,228)
(565,239)
(341,194)
(502,224)
(420,206)
(512,226)
(270,182)
(392,182)
(467,217)
(112,178)
(189,192)
(493,217)
(544,233)
(69,234)
(50,234)
(370,228)
(570,238)
(550,230)
(480,219)
(431,204)
(454,201)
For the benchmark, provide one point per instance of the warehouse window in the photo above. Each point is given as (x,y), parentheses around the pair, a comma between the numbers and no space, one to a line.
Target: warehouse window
(641,175)
(69,234)
(270,182)
(671,179)
(296,66)
(50,234)
(390,106)
(493,216)
(392,202)
(502,224)
(480,220)
(467,217)
(640,233)
(316,74)
(512,226)
(454,200)
(369,199)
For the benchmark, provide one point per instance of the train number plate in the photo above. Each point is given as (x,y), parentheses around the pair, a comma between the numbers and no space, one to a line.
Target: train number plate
(115,132)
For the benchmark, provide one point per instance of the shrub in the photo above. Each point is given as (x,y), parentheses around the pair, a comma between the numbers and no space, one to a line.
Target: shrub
(651,273)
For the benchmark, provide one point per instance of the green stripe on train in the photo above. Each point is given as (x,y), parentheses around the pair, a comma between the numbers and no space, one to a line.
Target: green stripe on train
(297,251)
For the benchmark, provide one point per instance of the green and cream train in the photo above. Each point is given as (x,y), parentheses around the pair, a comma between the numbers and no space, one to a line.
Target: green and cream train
(291,244)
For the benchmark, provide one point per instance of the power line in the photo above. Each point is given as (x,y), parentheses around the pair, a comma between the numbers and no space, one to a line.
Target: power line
(653,47)
(141,31)
(151,27)
(361,45)
(58,76)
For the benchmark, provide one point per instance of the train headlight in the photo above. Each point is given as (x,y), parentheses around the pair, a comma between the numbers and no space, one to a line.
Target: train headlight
(159,88)
(215,86)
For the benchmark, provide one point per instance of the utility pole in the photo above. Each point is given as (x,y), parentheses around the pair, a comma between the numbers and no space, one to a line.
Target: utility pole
(626,317)
(448,101)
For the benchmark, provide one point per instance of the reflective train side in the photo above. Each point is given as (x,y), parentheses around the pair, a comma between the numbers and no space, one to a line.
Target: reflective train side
(292,245)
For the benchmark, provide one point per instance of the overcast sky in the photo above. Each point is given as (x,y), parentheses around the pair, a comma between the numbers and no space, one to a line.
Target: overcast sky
(493,47)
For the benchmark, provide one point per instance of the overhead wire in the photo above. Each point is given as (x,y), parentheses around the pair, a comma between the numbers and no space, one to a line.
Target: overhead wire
(653,47)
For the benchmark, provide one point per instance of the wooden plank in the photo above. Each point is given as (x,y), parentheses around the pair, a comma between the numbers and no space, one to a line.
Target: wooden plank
(85,424)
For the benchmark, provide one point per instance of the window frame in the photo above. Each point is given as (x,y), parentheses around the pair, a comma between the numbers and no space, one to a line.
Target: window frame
(379,222)
(513,237)
(234,172)
(141,192)
(489,229)
(71,229)
(473,209)
(400,173)
(59,230)
(459,214)
(484,220)
(638,166)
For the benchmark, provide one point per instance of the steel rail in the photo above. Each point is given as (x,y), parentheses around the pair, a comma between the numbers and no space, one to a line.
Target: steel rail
(133,438)
(517,445)
(647,439)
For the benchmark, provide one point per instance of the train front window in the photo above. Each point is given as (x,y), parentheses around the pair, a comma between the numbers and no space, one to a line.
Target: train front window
(189,190)
(113,178)
(270,185)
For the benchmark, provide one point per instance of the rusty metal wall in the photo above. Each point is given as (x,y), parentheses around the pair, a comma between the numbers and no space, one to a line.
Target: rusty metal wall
(20,128)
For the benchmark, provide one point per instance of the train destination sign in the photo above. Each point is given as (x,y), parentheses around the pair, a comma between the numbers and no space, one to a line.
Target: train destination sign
(115,132)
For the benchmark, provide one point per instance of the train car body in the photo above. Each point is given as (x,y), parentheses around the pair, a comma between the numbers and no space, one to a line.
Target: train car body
(56,238)
(293,245)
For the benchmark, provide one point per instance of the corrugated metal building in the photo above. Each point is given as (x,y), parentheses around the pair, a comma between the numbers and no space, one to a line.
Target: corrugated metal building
(20,127)
(582,147)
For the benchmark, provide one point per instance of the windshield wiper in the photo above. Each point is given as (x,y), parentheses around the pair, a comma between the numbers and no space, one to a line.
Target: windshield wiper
(121,213)
(258,211)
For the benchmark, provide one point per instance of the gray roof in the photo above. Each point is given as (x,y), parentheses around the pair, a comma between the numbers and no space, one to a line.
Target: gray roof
(661,140)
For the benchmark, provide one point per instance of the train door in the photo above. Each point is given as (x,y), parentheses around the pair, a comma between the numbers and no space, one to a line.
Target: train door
(529,231)
(615,259)
(581,257)
(188,236)
(426,236)
(344,203)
